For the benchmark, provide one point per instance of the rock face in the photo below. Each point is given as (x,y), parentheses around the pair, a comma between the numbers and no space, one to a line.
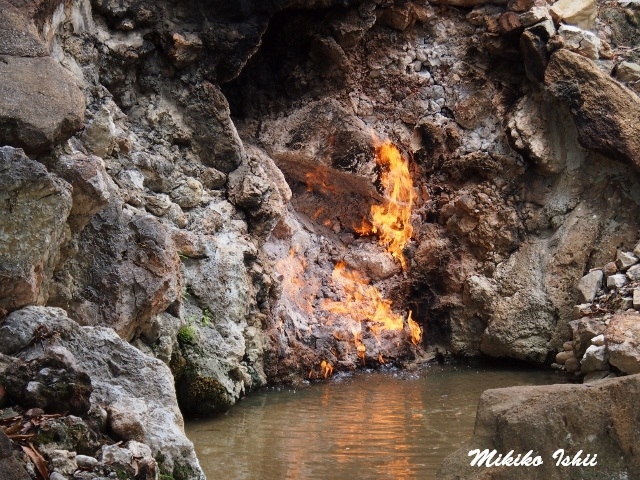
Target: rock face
(40,103)
(228,166)
(623,342)
(125,272)
(544,419)
(34,206)
(209,366)
(602,108)
(137,390)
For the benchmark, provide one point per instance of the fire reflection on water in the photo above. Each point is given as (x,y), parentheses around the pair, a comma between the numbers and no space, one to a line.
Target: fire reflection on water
(379,425)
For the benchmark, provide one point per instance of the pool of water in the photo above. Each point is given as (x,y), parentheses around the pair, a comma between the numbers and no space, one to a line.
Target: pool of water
(376,425)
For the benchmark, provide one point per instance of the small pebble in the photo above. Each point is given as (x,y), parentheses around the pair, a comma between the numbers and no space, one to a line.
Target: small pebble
(572,364)
(85,461)
(563,357)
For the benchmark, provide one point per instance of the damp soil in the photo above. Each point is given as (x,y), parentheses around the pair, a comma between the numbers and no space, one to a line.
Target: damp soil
(387,424)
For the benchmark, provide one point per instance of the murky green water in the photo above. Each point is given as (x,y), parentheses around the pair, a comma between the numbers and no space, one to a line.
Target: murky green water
(380,425)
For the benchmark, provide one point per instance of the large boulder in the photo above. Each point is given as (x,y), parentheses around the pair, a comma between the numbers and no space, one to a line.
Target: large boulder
(40,104)
(137,390)
(597,419)
(534,287)
(213,366)
(605,112)
(18,36)
(126,271)
(622,338)
(34,206)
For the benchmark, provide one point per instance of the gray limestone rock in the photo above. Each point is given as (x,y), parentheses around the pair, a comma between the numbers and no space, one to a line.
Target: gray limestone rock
(589,285)
(594,359)
(260,188)
(40,104)
(624,260)
(126,271)
(123,379)
(583,330)
(633,274)
(580,41)
(34,206)
(616,281)
(628,72)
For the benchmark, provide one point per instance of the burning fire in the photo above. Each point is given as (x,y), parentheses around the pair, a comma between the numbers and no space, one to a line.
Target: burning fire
(360,303)
(363,302)
(416,331)
(391,221)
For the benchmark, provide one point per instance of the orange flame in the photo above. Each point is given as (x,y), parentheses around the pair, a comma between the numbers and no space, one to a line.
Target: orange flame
(416,331)
(362,302)
(326,369)
(392,220)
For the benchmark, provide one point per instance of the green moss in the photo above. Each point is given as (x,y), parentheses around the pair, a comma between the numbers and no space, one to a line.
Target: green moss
(187,334)
(122,475)
(207,317)
(183,471)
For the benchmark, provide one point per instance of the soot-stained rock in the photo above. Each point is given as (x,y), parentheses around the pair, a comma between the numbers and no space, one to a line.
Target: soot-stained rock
(207,113)
(604,111)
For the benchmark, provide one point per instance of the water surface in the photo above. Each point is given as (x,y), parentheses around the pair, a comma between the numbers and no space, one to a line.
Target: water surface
(377,425)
